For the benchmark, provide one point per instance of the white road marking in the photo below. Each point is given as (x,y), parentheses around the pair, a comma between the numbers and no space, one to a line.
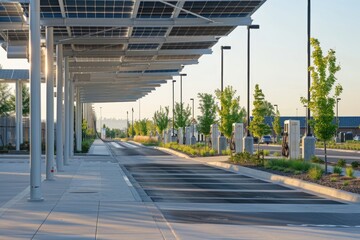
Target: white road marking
(116,145)
(128,145)
(322,225)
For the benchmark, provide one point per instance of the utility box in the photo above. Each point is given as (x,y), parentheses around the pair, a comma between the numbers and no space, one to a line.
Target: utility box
(291,138)
(238,130)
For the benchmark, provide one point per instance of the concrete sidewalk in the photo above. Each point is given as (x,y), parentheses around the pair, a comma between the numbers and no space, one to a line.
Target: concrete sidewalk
(91,199)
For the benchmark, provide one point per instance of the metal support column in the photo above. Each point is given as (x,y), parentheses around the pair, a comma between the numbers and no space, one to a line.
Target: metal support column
(71,118)
(18,111)
(21,127)
(59,109)
(78,121)
(67,112)
(35,103)
(49,103)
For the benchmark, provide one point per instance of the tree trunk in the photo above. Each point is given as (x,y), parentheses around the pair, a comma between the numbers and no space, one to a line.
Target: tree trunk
(258,151)
(326,162)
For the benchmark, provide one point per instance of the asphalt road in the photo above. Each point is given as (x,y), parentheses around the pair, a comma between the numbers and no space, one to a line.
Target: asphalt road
(201,198)
(333,154)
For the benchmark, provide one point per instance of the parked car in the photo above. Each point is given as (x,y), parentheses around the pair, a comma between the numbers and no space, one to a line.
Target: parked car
(266,139)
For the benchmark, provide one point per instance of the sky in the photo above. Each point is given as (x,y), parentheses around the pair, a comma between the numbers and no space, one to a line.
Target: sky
(278,60)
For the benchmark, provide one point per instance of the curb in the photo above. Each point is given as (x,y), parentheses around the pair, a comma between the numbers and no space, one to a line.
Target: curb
(313,187)
(136,143)
(173,152)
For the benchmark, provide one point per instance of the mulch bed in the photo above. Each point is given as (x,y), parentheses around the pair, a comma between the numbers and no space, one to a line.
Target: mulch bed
(330,180)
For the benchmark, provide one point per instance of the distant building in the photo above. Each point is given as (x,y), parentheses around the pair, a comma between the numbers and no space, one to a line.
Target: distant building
(346,124)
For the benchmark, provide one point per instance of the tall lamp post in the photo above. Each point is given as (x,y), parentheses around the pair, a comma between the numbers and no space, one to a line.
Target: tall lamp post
(101,122)
(193,139)
(249,140)
(127,123)
(132,122)
(181,102)
(308,141)
(222,140)
(173,111)
(337,116)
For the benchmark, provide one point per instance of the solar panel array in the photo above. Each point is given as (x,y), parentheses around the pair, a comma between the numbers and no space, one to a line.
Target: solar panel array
(143,41)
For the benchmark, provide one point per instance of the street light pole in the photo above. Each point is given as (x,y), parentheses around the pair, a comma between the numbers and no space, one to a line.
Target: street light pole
(181,102)
(249,140)
(127,123)
(308,142)
(193,139)
(222,140)
(275,105)
(132,122)
(337,114)
(100,121)
(173,110)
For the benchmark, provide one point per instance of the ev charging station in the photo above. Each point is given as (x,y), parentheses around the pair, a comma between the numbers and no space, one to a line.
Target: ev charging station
(291,139)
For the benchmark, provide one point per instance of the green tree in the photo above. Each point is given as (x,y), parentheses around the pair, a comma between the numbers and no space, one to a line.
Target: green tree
(143,127)
(181,116)
(6,105)
(258,127)
(151,128)
(229,111)
(25,101)
(207,107)
(323,94)
(131,130)
(277,126)
(161,119)
(270,111)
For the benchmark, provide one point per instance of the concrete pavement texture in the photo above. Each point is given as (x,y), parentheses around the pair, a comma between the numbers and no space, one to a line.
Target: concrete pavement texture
(124,191)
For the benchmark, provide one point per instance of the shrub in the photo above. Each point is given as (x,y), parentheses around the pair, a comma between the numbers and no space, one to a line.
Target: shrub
(226,152)
(337,170)
(147,140)
(277,154)
(243,157)
(212,152)
(355,164)
(349,172)
(297,172)
(346,183)
(315,173)
(341,163)
(316,159)
(86,144)
(333,179)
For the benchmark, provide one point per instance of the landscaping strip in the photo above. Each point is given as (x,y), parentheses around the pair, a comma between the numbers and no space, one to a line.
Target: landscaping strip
(340,194)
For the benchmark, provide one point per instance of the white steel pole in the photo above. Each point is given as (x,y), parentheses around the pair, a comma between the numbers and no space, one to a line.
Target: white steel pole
(18,114)
(49,103)
(59,108)
(21,127)
(67,111)
(78,121)
(71,118)
(35,103)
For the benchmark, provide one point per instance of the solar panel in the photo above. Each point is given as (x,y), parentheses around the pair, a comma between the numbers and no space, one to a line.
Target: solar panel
(188,45)
(178,57)
(10,12)
(201,31)
(149,31)
(219,9)
(155,10)
(147,46)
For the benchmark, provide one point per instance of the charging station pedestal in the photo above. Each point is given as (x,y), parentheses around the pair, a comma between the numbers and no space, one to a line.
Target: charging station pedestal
(292,138)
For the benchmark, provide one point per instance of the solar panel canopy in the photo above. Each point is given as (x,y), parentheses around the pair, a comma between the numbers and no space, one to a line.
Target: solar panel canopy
(121,50)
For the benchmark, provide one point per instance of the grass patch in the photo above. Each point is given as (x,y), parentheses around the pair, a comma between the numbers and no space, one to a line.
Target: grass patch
(192,150)
(315,172)
(147,140)
(350,172)
(293,165)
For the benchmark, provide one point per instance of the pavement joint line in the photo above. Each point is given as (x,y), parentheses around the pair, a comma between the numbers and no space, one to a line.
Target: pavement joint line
(17,198)
(97,220)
